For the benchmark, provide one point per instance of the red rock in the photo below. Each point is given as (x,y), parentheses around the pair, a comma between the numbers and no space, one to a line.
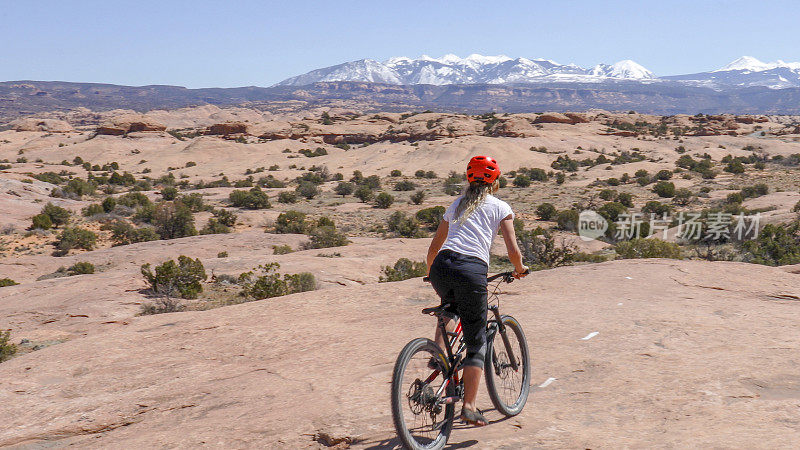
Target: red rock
(227,128)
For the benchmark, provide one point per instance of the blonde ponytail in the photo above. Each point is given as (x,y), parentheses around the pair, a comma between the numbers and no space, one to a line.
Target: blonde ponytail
(474,196)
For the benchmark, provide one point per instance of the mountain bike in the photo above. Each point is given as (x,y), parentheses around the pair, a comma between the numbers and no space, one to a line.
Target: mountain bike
(426,381)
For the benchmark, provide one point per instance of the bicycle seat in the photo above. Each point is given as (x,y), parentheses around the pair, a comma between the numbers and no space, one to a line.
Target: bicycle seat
(440,310)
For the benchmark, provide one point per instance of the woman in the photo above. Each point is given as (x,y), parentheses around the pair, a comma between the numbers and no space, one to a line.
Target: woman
(458,262)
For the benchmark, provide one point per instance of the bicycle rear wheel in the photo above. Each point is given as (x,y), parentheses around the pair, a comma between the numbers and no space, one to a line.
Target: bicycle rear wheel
(508,386)
(421,420)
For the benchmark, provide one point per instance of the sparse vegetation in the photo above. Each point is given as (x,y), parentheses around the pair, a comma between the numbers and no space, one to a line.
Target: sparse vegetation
(647,248)
(403,269)
(170,279)
(7,348)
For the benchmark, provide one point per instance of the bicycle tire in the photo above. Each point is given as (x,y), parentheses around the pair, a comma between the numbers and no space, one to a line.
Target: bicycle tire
(400,398)
(492,367)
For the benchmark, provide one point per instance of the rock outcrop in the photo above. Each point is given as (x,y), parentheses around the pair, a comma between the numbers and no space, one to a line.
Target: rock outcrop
(129,124)
(227,128)
(569,118)
(46,125)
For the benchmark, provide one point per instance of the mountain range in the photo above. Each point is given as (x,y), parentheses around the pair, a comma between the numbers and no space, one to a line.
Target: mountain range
(478,69)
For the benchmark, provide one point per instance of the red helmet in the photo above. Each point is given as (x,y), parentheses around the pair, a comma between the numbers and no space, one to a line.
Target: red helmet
(482,168)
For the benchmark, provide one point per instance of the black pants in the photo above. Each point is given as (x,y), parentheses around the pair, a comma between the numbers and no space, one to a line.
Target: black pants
(460,280)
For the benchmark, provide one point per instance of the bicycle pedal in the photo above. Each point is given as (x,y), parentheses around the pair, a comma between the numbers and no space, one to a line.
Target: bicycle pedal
(449,400)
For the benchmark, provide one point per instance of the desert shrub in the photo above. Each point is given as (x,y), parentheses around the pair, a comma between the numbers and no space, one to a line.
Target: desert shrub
(324,237)
(418,197)
(123,233)
(293,222)
(431,216)
(58,215)
(270,181)
(133,200)
(396,173)
(560,178)
(567,220)
(301,282)
(182,279)
(403,269)
(539,248)
(173,220)
(626,199)
(522,181)
(169,193)
(287,197)
(344,188)
(734,198)
(79,187)
(663,175)
(307,190)
(664,189)
(796,207)
(319,151)
(75,237)
(419,173)
(755,191)
(607,194)
(565,163)
(612,210)
(384,200)
(41,221)
(502,181)
(93,209)
(254,198)
(222,255)
(281,249)
(265,282)
(656,207)
(224,217)
(372,182)
(214,226)
(7,282)
(403,225)
(405,185)
(647,248)
(613,182)
(682,196)
(357,178)
(80,268)
(364,193)
(546,211)
(776,245)
(7,348)
(734,167)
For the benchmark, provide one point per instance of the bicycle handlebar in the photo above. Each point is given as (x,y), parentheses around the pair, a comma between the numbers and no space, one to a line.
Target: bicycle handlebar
(508,277)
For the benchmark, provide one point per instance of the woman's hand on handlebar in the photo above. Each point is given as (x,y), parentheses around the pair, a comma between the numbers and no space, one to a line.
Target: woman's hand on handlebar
(521,273)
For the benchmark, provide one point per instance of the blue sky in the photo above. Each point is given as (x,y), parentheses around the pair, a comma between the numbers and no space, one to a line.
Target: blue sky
(239,43)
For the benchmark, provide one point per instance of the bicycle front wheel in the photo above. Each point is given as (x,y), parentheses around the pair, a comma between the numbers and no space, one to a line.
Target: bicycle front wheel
(508,368)
(421,417)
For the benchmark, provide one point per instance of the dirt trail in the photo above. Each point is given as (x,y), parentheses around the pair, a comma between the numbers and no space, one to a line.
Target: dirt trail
(687,354)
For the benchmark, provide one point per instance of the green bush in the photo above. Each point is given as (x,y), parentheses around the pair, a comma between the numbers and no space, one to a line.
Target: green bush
(344,188)
(364,193)
(431,216)
(420,173)
(734,167)
(7,282)
(173,220)
(324,237)
(522,181)
(565,163)
(607,194)
(41,221)
(93,209)
(255,198)
(265,282)
(776,245)
(755,191)
(307,190)
(80,268)
(567,220)
(58,215)
(397,173)
(502,181)
(664,175)
(657,208)
(270,181)
(123,233)
(182,279)
(287,197)
(611,211)
(224,217)
(546,211)
(372,182)
(539,248)
(214,226)
(281,249)
(682,196)
(79,187)
(384,200)
(293,222)
(418,197)
(647,248)
(626,199)
(133,200)
(664,189)
(403,269)
(7,349)
(75,237)
(169,193)
(405,185)
(405,226)
(734,198)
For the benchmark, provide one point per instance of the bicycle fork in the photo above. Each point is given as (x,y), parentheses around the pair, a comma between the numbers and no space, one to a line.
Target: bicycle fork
(502,329)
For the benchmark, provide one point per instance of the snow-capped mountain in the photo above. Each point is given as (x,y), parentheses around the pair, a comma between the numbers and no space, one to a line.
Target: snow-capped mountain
(478,69)
(746,72)
(474,69)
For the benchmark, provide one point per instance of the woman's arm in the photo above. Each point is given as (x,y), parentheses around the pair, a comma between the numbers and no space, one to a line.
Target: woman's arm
(510,237)
(437,242)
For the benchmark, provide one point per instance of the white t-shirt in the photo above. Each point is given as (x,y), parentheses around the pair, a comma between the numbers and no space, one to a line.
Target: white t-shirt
(474,237)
